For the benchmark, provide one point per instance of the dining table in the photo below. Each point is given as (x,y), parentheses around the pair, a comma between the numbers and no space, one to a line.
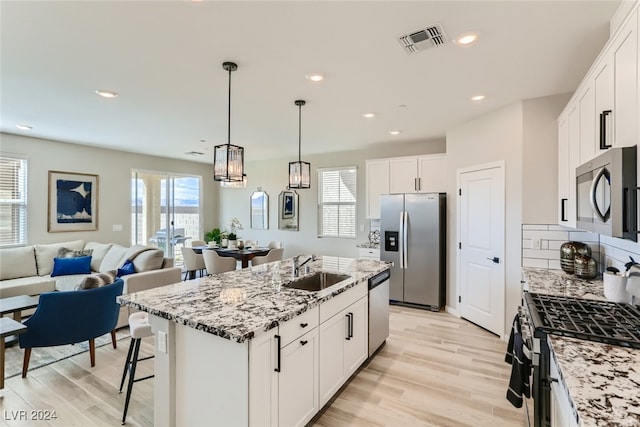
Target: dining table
(243,255)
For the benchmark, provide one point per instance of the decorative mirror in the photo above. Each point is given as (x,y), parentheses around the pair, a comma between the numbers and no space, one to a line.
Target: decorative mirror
(288,210)
(259,210)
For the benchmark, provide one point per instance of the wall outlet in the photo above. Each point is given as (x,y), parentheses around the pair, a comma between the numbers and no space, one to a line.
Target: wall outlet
(535,243)
(117,227)
(161,342)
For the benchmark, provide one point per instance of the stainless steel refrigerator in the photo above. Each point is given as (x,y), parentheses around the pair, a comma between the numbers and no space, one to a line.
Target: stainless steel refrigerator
(413,231)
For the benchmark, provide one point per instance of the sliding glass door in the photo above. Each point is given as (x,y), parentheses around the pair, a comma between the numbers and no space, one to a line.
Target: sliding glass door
(165,211)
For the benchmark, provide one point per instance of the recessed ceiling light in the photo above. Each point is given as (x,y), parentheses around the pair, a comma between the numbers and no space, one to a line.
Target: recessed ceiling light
(395,132)
(107,93)
(24,127)
(315,77)
(467,39)
(368,115)
(477,98)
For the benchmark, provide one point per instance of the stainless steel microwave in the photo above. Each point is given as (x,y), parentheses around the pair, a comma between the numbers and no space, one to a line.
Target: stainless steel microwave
(606,194)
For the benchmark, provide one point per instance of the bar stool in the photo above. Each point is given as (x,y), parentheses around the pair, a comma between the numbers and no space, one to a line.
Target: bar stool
(140,328)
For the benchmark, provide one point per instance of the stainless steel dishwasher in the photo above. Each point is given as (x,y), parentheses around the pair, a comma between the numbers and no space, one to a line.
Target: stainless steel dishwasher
(378,310)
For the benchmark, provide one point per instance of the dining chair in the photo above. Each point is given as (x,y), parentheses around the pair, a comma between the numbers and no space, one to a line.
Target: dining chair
(198,243)
(192,261)
(273,255)
(274,244)
(215,263)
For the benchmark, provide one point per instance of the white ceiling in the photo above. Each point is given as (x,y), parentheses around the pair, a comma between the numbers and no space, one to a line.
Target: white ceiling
(165,60)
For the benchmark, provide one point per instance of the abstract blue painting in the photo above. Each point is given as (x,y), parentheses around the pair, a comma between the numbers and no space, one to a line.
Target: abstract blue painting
(72,201)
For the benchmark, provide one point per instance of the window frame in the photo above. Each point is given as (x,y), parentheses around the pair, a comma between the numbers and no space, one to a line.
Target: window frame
(320,231)
(21,220)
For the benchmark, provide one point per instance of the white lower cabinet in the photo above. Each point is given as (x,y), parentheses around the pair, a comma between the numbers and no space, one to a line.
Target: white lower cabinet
(369,253)
(561,411)
(298,381)
(296,368)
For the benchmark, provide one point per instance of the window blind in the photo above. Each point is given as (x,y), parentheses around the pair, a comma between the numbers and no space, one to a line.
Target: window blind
(337,202)
(13,201)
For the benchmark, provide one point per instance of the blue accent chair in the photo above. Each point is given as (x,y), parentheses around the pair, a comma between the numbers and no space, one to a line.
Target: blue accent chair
(72,317)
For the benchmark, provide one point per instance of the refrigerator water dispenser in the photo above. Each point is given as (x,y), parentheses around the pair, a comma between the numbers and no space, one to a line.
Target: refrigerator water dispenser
(391,241)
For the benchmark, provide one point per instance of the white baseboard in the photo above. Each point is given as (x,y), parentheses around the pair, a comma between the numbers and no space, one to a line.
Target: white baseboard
(451,310)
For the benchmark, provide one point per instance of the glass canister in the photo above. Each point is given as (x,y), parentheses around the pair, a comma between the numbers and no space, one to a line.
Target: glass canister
(585,267)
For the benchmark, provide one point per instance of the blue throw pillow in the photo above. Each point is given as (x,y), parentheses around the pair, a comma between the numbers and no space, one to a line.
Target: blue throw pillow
(66,266)
(127,268)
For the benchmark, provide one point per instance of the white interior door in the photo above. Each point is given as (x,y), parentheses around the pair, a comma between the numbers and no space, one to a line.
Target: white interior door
(481,246)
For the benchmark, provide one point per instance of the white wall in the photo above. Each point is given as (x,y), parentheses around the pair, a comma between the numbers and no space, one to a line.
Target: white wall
(540,154)
(493,137)
(114,186)
(272,177)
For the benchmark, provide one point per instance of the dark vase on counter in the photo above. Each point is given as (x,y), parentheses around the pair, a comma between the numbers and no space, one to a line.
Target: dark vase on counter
(568,252)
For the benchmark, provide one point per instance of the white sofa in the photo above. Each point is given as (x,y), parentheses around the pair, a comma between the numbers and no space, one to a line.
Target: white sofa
(27,270)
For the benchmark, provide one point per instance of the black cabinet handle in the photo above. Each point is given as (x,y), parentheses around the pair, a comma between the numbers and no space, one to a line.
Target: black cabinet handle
(278,342)
(348,316)
(304,325)
(603,130)
(563,210)
(303,342)
(351,326)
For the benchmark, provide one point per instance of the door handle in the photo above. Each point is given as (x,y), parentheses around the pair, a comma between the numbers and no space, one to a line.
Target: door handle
(495,259)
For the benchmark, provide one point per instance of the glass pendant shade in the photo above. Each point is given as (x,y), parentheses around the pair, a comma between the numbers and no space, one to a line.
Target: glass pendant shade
(228,163)
(235,184)
(299,174)
(228,159)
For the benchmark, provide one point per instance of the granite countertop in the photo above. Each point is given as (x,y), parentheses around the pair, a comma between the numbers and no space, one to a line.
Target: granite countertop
(603,380)
(368,245)
(239,304)
(557,282)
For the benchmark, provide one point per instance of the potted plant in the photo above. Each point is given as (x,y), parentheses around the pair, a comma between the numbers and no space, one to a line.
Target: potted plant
(215,235)
(232,240)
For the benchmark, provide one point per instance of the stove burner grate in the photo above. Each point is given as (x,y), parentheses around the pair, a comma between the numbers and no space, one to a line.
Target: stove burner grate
(593,320)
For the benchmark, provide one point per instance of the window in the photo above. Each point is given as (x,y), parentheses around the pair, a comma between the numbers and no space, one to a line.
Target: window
(13,200)
(337,202)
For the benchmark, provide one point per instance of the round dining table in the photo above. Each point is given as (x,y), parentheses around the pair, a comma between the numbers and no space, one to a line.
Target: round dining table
(242,255)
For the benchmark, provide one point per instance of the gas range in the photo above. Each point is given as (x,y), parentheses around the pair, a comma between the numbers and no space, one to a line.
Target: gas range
(592,320)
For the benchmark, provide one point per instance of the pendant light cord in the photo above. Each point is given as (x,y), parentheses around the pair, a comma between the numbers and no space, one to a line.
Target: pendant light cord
(229,112)
(299,132)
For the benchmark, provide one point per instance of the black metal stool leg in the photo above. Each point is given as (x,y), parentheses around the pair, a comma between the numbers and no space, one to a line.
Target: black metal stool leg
(126,365)
(132,375)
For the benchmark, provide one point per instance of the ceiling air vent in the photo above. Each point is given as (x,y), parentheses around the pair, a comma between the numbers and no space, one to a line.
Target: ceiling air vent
(194,153)
(423,39)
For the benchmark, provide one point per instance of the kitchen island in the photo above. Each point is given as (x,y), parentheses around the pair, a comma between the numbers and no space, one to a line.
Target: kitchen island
(243,348)
(601,379)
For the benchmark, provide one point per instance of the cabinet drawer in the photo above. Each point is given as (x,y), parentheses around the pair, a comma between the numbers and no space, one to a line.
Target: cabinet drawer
(369,253)
(342,301)
(296,327)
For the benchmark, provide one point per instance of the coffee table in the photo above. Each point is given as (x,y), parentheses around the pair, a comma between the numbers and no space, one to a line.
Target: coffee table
(15,305)
(7,327)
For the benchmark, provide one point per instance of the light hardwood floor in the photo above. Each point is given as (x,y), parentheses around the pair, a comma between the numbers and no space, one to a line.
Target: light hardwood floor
(435,369)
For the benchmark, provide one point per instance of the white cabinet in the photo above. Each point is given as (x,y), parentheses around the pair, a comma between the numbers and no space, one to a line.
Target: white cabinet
(587,110)
(624,53)
(403,175)
(369,253)
(377,184)
(603,98)
(421,174)
(413,174)
(344,346)
(562,414)
(283,373)
(298,380)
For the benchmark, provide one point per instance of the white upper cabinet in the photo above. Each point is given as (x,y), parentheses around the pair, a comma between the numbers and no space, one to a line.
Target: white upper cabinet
(377,184)
(587,110)
(603,93)
(625,77)
(563,170)
(414,174)
(403,176)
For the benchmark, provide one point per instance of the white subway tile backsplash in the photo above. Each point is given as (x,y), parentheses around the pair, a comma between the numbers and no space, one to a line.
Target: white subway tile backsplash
(555,245)
(547,235)
(544,244)
(535,263)
(554,264)
(584,236)
(542,254)
(535,227)
(527,243)
(554,227)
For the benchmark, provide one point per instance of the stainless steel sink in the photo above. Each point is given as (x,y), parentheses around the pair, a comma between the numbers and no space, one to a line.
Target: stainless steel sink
(316,281)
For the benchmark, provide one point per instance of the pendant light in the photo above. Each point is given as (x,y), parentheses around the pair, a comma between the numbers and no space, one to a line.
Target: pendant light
(228,159)
(299,172)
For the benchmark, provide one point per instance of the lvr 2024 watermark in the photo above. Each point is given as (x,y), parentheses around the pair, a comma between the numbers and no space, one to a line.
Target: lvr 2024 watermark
(30,415)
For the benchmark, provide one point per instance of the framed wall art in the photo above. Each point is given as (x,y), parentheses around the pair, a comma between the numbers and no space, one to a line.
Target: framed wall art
(73,202)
